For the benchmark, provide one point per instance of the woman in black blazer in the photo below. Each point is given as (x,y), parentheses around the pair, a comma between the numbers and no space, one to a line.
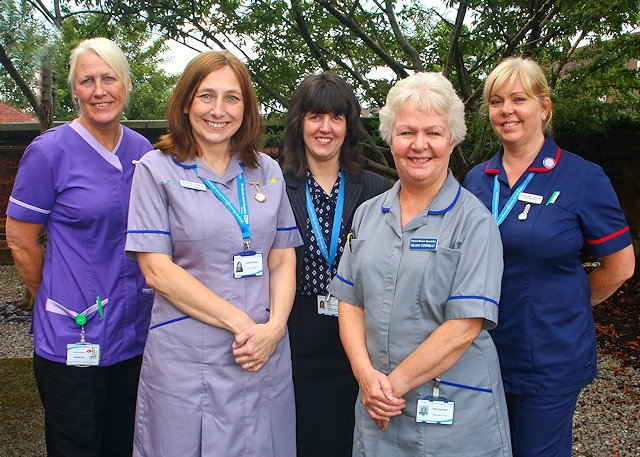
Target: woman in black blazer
(325,186)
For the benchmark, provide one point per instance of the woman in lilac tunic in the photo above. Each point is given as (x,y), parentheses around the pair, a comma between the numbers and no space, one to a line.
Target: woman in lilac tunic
(74,181)
(216,377)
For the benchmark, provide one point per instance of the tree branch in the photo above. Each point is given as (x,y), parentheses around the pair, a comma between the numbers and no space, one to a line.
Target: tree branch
(397,68)
(17,77)
(404,44)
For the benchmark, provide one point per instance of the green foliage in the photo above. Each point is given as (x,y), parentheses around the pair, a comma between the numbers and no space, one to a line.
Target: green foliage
(584,47)
(151,84)
(24,40)
(27,38)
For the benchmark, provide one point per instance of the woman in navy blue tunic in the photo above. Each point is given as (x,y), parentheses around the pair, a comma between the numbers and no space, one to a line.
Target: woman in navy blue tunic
(549,204)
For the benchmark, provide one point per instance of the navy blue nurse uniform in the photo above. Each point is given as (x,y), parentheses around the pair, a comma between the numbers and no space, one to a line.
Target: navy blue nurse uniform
(546,337)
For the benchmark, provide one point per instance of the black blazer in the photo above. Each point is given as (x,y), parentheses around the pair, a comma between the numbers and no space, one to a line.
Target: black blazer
(359,187)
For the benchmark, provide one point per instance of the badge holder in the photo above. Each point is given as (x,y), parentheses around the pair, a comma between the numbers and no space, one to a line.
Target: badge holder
(84,354)
(327,305)
(435,409)
(247,263)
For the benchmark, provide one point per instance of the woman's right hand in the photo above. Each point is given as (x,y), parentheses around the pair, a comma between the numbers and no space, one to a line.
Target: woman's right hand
(378,398)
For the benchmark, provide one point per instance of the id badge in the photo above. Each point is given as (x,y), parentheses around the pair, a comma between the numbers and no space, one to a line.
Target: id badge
(246,264)
(435,411)
(83,355)
(327,305)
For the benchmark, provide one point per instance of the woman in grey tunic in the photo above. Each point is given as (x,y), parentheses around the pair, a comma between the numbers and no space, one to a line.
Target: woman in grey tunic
(216,374)
(418,286)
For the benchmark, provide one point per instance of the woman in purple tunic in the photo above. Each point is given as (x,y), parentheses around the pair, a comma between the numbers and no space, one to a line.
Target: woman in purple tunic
(92,306)
(216,376)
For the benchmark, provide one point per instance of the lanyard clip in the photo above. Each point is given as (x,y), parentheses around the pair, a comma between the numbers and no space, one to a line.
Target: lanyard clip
(247,244)
(436,387)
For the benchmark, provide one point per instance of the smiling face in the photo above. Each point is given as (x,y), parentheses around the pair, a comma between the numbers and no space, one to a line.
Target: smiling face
(217,110)
(421,147)
(517,118)
(100,94)
(323,136)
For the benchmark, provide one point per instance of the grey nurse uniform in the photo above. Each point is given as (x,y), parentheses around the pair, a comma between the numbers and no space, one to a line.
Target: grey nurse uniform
(444,264)
(193,398)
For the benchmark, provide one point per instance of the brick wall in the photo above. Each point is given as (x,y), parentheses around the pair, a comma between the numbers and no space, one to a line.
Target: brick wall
(8,167)
(619,156)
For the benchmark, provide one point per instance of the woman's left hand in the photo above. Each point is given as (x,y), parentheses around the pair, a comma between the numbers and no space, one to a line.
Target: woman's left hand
(253,346)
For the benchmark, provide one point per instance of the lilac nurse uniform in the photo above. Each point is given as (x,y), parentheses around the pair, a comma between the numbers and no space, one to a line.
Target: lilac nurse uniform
(194,400)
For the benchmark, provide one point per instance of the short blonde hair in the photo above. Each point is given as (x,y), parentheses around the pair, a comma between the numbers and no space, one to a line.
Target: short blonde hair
(430,93)
(532,78)
(108,51)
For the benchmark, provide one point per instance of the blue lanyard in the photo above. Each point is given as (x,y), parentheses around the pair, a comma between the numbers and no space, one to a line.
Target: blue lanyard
(330,257)
(242,216)
(512,200)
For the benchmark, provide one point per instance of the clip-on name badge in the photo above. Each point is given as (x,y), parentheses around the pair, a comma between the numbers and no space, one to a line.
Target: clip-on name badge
(435,409)
(327,305)
(84,354)
(247,263)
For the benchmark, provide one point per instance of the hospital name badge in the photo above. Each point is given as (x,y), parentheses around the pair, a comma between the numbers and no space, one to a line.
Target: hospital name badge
(435,411)
(423,244)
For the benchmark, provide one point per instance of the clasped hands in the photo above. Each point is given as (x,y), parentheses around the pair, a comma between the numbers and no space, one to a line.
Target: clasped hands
(379,398)
(253,346)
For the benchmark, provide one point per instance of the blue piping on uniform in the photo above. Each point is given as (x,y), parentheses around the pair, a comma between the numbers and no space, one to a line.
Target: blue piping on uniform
(160,232)
(344,280)
(183,165)
(462,386)
(453,203)
(475,297)
(169,322)
(286,229)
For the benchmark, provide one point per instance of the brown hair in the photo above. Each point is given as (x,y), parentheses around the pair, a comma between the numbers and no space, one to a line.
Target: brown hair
(180,141)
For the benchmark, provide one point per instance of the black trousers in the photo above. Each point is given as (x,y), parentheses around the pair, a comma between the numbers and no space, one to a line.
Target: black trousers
(90,411)
(324,385)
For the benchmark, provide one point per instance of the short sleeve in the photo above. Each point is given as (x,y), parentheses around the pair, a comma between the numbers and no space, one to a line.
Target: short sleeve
(476,283)
(603,222)
(33,193)
(342,286)
(148,224)
(287,234)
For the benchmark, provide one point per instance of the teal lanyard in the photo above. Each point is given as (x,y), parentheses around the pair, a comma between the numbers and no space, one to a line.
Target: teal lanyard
(329,255)
(512,200)
(241,215)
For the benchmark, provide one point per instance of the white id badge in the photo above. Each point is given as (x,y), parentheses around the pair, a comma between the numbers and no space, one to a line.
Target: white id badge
(83,355)
(247,264)
(435,411)
(327,305)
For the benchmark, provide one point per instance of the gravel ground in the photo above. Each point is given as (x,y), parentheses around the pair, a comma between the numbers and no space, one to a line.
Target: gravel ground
(606,423)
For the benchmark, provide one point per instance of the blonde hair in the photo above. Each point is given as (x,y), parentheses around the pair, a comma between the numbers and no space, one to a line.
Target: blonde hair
(108,51)
(430,93)
(532,78)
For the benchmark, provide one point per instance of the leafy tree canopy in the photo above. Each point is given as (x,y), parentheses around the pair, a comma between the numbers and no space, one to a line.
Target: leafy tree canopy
(27,41)
(584,46)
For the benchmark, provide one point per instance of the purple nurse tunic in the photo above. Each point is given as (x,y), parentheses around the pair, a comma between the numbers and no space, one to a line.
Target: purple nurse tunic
(193,399)
(79,190)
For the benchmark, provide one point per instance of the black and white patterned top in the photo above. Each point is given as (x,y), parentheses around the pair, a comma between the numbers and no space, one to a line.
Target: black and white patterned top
(315,276)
